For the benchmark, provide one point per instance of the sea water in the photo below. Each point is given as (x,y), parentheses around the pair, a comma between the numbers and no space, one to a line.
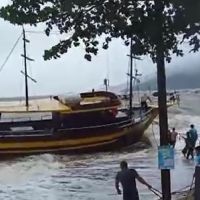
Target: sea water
(91,176)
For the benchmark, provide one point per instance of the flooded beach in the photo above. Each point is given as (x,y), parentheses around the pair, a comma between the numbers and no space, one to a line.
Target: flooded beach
(91,176)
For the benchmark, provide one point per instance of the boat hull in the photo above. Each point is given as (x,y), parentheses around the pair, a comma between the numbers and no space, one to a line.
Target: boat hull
(77,140)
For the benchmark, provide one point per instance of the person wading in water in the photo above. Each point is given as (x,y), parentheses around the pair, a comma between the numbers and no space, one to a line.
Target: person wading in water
(127,179)
(173,137)
(192,138)
(144,99)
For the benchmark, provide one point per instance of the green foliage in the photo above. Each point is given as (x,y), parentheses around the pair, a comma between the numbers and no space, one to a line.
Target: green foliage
(86,20)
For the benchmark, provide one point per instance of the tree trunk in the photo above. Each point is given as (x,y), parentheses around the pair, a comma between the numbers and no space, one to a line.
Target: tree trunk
(162,103)
(163,124)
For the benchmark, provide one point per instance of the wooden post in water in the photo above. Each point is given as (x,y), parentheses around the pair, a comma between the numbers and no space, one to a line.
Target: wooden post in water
(162,103)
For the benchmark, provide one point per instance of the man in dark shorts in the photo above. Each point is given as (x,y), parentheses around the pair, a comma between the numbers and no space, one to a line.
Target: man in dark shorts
(127,179)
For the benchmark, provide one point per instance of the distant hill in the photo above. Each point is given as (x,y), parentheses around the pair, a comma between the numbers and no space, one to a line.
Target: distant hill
(177,81)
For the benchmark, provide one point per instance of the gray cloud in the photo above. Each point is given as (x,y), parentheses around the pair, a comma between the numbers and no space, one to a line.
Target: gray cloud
(71,73)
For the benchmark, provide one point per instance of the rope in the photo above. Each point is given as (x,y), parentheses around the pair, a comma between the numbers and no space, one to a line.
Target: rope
(159,194)
(4,63)
(185,189)
(156,192)
(153,190)
(181,190)
(190,188)
(127,84)
(154,136)
(21,84)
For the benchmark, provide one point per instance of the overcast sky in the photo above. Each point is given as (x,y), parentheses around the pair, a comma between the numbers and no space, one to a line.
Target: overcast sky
(71,73)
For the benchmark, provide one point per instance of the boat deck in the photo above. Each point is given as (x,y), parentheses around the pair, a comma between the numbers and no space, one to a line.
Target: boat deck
(35,105)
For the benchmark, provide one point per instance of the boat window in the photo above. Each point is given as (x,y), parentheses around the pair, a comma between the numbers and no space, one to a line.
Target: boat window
(22,128)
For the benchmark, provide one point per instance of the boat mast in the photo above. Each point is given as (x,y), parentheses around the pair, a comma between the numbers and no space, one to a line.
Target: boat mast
(131,78)
(137,80)
(106,83)
(25,67)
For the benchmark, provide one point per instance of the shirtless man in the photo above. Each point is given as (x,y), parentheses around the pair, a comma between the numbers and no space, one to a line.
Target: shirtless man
(127,179)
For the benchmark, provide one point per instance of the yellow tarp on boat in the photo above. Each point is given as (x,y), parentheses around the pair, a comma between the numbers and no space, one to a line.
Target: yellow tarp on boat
(36,105)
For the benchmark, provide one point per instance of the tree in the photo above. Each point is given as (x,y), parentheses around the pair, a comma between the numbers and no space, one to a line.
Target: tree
(157,28)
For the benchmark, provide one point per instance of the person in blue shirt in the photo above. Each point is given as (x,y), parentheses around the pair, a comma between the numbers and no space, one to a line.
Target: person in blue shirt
(192,139)
(127,179)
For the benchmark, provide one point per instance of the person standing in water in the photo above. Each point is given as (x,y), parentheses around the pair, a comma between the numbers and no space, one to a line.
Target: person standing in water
(173,137)
(144,99)
(192,138)
(187,145)
(127,179)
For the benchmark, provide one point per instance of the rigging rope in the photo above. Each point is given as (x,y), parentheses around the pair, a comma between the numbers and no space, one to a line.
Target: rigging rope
(21,85)
(4,63)
(127,85)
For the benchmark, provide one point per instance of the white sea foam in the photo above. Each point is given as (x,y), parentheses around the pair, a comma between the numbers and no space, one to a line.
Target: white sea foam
(91,176)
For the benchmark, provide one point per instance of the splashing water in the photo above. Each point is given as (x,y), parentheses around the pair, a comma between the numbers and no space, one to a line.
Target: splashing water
(90,177)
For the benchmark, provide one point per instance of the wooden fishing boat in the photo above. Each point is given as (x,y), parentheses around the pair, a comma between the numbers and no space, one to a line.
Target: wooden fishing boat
(91,108)
(95,121)
(108,136)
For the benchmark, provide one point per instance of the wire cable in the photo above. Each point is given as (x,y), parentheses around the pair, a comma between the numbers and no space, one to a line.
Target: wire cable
(10,53)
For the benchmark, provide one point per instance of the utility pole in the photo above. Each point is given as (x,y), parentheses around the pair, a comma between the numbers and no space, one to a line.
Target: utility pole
(131,81)
(162,103)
